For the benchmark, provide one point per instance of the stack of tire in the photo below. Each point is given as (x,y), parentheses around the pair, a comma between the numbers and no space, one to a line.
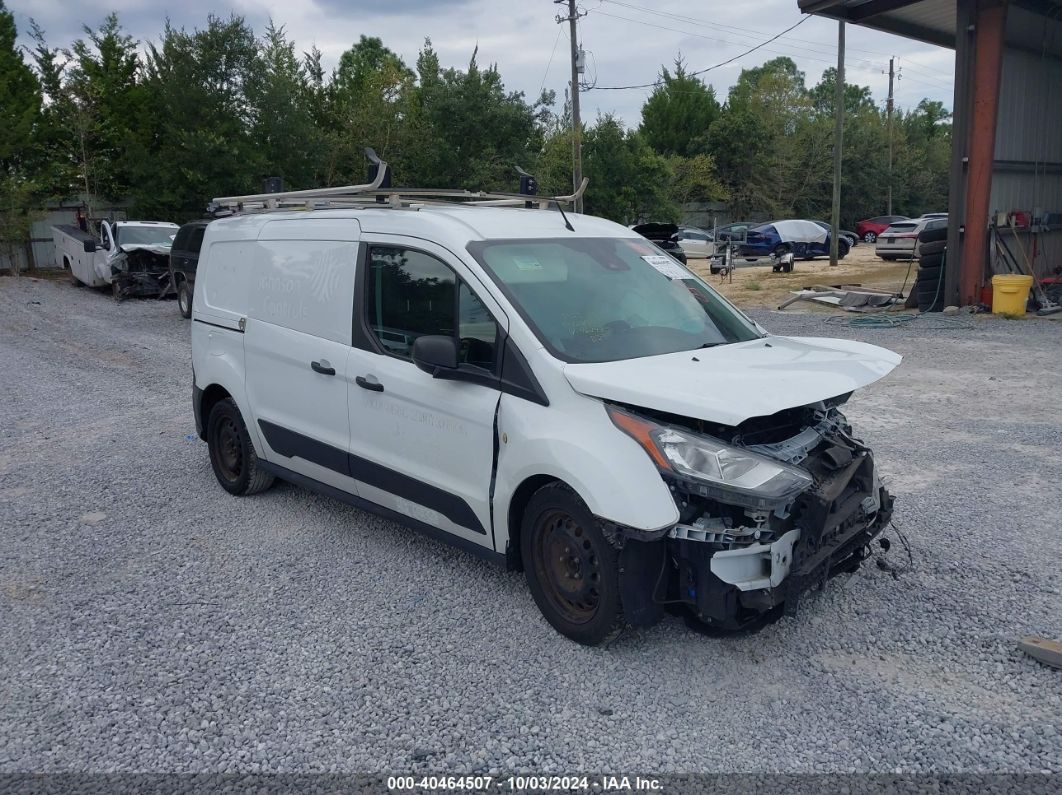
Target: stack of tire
(929,283)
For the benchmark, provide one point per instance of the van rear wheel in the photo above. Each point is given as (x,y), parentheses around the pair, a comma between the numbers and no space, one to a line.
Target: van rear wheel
(232,454)
(571,568)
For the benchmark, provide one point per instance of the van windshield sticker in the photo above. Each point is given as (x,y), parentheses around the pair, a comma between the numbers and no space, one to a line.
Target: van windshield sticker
(526,263)
(667,266)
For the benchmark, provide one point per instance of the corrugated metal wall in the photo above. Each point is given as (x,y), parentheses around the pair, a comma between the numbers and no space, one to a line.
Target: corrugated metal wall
(1028,174)
(41,234)
(1029,134)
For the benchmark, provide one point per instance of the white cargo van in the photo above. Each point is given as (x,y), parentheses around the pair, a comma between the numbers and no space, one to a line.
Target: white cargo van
(549,391)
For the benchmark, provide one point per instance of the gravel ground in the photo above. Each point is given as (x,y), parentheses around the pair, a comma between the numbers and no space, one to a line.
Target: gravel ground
(151,622)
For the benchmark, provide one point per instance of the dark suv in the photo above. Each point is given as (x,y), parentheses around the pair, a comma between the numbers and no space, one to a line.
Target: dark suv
(184,257)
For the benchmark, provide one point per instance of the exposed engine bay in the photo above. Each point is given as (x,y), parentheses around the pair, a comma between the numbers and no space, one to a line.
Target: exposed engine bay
(140,272)
(739,556)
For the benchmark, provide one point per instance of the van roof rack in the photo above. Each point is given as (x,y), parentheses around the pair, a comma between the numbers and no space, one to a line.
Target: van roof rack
(379,193)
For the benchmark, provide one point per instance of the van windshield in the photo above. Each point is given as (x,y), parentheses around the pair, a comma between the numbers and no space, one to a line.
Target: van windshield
(608,299)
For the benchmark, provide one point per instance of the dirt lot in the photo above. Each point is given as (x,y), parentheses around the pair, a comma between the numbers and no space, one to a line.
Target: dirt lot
(754,285)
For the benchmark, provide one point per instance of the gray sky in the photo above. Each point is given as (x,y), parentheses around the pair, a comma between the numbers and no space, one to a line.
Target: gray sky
(627,41)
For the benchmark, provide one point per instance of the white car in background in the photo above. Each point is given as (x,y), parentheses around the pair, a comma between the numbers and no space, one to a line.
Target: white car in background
(696,243)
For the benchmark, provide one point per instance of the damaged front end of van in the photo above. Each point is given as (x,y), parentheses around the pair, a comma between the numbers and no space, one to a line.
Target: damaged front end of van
(768,510)
(774,492)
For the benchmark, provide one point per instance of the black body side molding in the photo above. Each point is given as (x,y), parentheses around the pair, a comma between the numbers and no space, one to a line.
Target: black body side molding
(365,505)
(292,444)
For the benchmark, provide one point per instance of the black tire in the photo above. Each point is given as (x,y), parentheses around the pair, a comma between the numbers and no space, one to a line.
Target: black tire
(931,261)
(842,249)
(870,237)
(930,306)
(232,454)
(780,249)
(715,271)
(929,297)
(933,235)
(788,267)
(932,247)
(571,568)
(930,274)
(888,257)
(184,299)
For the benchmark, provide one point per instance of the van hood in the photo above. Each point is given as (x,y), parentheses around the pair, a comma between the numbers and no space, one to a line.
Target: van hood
(729,384)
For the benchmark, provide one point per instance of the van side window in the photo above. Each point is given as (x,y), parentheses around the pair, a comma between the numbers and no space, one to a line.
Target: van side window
(411,294)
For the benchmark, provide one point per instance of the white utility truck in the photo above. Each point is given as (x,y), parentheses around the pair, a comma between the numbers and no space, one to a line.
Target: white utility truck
(131,256)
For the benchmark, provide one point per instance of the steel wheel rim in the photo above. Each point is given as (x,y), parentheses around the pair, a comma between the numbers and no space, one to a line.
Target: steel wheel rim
(568,567)
(228,449)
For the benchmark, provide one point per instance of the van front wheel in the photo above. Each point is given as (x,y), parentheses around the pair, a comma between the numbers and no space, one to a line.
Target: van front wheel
(571,569)
(232,454)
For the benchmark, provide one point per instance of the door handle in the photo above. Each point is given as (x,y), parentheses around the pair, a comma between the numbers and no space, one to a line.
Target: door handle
(323,367)
(365,383)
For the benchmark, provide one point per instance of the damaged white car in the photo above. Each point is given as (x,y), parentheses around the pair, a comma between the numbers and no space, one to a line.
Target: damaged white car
(551,392)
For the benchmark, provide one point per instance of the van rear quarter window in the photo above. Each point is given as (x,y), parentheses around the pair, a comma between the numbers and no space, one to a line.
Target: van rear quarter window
(305,286)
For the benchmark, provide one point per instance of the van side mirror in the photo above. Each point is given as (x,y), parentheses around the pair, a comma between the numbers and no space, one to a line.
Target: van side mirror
(433,352)
(90,246)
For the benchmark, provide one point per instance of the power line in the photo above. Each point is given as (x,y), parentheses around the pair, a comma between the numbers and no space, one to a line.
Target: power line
(926,78)
(747,32)
(707,69)
(727,42)
(556,41)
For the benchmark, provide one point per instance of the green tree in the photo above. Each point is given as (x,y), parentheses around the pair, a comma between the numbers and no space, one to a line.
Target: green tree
(20,98)
(760,141)
(629,182)
(471,131)
(284,133)
(365,104)
(55,166)
(677,115)
(106,107)
(20,104)
(200,143)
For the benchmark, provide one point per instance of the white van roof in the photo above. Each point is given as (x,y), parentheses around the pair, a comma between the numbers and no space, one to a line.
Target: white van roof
(453,226)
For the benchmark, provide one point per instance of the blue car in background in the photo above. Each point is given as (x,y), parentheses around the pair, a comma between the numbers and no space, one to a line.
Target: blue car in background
(802,239)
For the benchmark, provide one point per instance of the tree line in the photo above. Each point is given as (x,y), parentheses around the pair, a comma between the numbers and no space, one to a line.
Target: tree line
(215,110)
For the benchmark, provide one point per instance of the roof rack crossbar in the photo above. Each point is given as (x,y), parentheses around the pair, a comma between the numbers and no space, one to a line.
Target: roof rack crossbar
(306,194)
(371,194)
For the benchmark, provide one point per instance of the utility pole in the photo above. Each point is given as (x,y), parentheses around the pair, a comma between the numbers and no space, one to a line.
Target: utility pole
(888,114)
(577,129)
(838,144)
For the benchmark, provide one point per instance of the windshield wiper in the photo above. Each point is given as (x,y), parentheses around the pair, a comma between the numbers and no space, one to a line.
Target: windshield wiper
(713,344)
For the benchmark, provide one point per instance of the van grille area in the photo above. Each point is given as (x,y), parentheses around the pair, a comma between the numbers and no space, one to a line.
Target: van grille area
(837,517)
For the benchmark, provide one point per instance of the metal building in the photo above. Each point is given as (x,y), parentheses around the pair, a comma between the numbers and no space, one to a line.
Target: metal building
(1007,123)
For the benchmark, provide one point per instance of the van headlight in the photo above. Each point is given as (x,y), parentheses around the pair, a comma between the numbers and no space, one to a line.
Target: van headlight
(729,474)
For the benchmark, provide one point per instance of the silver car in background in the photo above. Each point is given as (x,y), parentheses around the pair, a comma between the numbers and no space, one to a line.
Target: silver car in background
(900,240)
